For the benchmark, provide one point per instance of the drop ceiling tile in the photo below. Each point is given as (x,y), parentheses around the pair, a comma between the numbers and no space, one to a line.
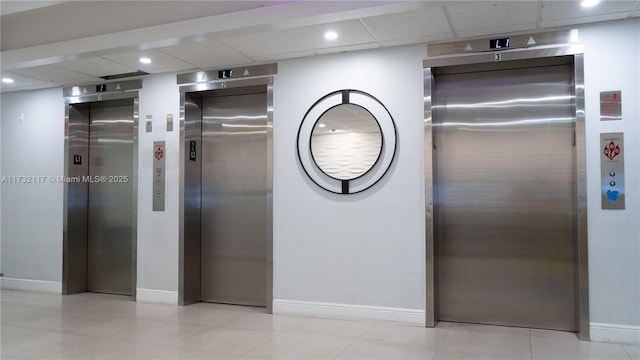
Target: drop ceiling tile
(264,44)
(58,75)
(424,25)
(96,66)
(160,62)
(206,54)
(350,32)
(21,82)
(559,13)
(481,18)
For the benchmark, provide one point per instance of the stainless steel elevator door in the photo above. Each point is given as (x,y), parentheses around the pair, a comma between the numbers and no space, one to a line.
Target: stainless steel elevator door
(234,198)
(504,197)
(110,209)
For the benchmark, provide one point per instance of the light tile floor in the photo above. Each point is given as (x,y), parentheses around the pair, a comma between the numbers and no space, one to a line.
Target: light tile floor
(95,326)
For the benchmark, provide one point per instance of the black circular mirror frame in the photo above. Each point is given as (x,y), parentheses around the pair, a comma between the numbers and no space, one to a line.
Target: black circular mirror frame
(366,176)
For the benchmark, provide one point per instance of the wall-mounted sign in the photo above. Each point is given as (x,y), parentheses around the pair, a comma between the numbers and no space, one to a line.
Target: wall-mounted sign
(612,170)
(158,186)
(610,105)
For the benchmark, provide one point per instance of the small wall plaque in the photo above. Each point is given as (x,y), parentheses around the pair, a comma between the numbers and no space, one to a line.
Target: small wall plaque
(610,105)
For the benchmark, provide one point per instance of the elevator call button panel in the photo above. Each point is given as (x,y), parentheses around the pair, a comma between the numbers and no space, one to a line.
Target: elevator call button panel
(158,175)
(612,170)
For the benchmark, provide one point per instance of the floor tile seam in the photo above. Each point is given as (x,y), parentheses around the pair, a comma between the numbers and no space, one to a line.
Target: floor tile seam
(624,348)
(444,338)
(337,356)
(371,326)
(70,332)
(191,336)
(26,328)
(94,339)
(409,342)
(316,332)
(246,353)
(530,344)
(29,304)
(397,343)
(51,328)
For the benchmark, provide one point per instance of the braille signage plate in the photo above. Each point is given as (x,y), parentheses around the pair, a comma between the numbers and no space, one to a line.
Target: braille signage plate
(612,170)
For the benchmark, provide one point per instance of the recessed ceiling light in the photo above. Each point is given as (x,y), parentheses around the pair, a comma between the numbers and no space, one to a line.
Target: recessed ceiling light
(321,125)
(7,80)
(145,60)
(589,3)
(331,35)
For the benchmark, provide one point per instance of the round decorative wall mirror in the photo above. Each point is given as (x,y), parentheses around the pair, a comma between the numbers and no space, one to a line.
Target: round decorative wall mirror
(347,141)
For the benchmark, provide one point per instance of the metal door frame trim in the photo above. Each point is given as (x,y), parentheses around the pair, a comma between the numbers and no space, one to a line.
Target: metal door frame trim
(69,100)
(186,87)
(582,281)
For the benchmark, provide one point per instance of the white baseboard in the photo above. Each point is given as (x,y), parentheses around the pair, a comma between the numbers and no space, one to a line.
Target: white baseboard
(50,287)
(349,312)
(157,296)
(615,333)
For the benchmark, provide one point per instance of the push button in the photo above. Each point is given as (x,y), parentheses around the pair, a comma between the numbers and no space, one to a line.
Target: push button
(612,183)
(612,174)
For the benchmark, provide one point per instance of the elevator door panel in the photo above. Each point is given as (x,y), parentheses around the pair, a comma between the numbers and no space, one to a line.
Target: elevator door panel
(110,210)
(505,197)
(234,202)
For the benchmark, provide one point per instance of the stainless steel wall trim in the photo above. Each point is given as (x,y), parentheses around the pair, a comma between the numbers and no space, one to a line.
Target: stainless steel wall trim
(134,201)
(517,41)
(506,55)
(206,76)
(99,97)
(269,198)
(111,87)
(577,50)
(581,179)
(224,84)
(134,181)
(430,305)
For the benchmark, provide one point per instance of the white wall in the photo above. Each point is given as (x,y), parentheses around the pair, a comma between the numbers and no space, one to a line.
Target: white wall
(361,250)
(32,217)
(157,230)
(612,62)
(365,249)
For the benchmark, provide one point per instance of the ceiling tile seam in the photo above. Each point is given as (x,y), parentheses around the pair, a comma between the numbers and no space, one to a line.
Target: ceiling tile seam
(366,27)
(177,58)
(449,21)
(18,74)
(221,41)
(119,63)
(236,50)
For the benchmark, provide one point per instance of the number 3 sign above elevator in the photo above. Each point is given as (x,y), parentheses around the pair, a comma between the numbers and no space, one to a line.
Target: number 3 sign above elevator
(612,170)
